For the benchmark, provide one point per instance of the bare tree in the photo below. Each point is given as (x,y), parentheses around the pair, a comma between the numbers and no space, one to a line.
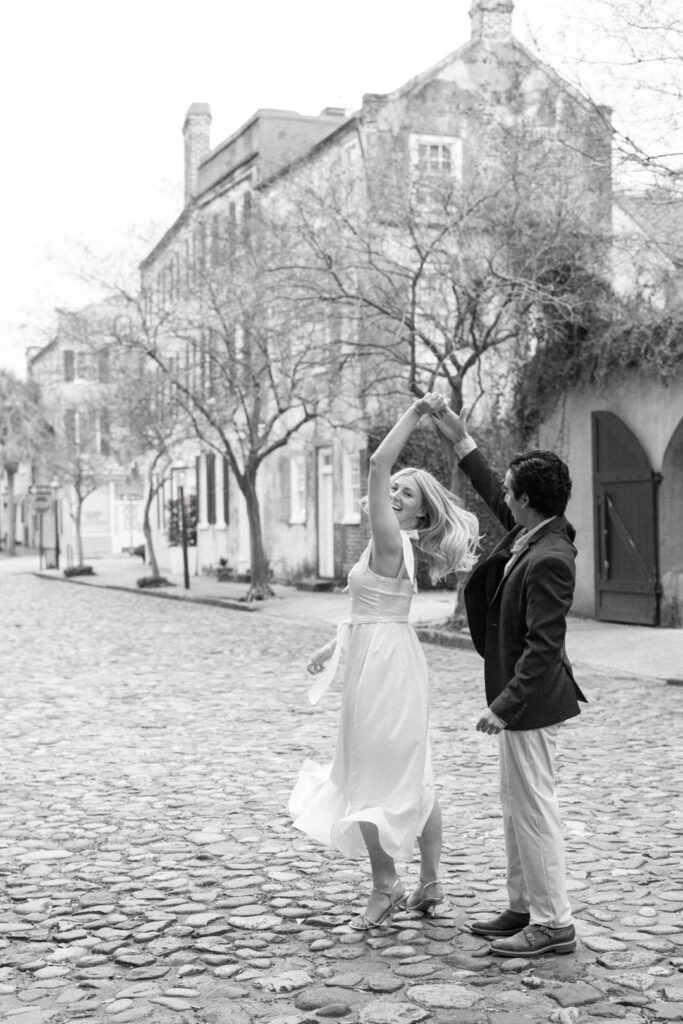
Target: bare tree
(243,358)
(447,282)
(83,471)
(146,426)
(24,433)
(630,53)
(78,405)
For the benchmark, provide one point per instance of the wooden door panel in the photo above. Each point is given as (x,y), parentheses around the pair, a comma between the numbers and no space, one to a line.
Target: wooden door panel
(625,491)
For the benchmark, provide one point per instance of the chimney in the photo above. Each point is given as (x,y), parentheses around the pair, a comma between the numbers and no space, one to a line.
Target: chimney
(196,134)
(491,21)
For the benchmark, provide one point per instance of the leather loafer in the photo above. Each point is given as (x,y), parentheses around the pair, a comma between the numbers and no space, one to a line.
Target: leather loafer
(508,923)
(535,940)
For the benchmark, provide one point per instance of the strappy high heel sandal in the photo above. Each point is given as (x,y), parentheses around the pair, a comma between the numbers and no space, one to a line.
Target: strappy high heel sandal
(363,923)
(425,897)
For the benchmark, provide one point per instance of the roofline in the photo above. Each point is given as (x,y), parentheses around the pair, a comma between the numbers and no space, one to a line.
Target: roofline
(42,351)
(169,234)
(273,112)
(412,83)
(673,260)
(351,121)
(475,43)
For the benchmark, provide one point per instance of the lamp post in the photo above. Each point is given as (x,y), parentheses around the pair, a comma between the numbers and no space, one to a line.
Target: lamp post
(180,470)
(54,487)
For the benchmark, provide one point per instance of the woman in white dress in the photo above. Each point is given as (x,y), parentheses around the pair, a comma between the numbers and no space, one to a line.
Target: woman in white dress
(377,798)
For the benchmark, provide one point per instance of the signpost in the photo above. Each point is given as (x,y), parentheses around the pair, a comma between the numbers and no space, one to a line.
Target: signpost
(42,499)
(41,503)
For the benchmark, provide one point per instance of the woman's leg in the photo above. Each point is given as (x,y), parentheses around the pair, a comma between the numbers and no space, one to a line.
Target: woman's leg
(384,875)
(430,845)
(429,891)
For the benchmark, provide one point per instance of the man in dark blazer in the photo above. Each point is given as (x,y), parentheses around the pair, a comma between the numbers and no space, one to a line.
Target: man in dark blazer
(517,601)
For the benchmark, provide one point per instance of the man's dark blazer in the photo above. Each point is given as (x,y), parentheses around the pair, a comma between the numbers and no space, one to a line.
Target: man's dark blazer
(518,620)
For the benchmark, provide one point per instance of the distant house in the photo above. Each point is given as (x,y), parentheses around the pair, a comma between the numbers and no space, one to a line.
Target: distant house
(73,373)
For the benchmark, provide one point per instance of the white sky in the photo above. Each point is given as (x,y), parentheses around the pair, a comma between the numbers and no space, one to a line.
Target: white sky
(95,97)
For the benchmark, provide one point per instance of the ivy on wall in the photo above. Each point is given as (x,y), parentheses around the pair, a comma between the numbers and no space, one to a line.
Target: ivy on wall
(589,352)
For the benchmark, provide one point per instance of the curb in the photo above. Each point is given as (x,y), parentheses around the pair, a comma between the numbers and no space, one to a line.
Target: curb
(427,634)
(216,602)
(445,638)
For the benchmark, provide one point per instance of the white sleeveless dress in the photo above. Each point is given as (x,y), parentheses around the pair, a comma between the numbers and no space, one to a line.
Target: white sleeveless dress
(381,772)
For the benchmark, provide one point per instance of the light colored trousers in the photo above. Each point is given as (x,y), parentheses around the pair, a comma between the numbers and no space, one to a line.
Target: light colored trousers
(536,877)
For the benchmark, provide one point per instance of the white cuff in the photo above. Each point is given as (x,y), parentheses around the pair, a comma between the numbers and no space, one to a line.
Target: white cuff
(464,447)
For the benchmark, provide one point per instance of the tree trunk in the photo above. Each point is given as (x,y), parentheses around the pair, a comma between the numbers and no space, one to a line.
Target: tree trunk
(77,523)
(11,512)
(147,531)
(259,588)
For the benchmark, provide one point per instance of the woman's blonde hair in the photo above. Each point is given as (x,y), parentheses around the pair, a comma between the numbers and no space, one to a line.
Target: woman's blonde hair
(448,533)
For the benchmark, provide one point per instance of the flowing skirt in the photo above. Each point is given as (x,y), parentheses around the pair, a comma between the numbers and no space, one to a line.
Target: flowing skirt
(381,772)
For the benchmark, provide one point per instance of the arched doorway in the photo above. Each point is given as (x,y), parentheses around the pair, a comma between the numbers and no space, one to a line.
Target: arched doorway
(627,585)
(671,530)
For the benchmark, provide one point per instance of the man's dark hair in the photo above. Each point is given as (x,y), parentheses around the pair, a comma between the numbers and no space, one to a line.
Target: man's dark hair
(544,478)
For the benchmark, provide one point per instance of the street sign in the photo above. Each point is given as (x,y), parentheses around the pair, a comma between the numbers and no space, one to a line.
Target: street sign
(41,503)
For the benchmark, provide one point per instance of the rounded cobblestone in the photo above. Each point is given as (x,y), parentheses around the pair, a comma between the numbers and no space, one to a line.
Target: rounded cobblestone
(150,870)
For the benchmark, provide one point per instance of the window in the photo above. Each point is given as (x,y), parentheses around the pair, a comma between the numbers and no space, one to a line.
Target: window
(70,427)
(105,433)
(103,366)
(231,227)
(297,499)
(351,486)
(437,155)
(189,266)
(83,365)
(216,240)
(434,157)
(69,365)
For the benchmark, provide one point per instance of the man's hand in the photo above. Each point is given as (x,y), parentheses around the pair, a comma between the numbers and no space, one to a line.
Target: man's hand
(451,425)
(490,723)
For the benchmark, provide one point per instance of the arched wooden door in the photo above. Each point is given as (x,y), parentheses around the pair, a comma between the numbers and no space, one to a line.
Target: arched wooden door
(627,581)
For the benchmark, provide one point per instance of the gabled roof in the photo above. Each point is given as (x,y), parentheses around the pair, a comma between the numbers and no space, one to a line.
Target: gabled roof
(471,46)
(511,44)
(659,214)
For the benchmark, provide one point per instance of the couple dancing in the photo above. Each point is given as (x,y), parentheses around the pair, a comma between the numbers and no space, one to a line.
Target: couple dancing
(378,796)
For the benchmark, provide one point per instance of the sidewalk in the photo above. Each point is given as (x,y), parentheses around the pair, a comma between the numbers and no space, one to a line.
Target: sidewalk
(620,650)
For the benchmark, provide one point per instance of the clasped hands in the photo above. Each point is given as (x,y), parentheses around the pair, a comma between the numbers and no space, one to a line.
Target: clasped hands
(451,425)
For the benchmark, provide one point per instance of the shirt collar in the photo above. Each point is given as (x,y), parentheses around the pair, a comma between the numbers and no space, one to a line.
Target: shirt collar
(524,538)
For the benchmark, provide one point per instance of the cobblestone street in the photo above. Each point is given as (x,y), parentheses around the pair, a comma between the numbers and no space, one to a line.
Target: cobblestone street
(149,870)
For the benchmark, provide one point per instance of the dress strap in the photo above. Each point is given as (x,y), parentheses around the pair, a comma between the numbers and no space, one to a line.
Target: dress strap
(409,555)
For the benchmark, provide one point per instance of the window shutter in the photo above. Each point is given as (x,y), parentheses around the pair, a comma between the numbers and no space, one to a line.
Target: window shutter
(226,490)
(211,488)
(105,436)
